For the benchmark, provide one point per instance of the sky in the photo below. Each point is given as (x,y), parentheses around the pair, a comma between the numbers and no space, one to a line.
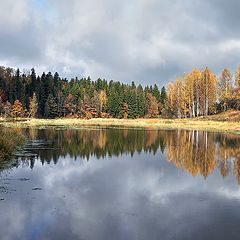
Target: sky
(146,41)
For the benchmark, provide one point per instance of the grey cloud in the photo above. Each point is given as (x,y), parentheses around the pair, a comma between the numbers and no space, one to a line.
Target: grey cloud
(25,47)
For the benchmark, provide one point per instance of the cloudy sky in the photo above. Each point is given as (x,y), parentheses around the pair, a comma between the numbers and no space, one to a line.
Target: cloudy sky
(148,41)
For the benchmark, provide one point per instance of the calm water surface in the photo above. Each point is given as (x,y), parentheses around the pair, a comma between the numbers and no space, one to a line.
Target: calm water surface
(122,184)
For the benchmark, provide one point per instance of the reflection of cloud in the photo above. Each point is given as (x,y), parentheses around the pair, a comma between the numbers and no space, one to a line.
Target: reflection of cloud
(143,197)
(12,221)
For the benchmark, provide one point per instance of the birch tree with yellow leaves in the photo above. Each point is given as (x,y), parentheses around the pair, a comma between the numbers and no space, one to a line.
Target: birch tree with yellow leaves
(192,92)
(208,91)
(195,95)
(225,88)
(176,98)
(237,77)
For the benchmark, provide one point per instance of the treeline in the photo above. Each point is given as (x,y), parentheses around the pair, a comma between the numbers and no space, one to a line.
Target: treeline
(50,96)
(198,93)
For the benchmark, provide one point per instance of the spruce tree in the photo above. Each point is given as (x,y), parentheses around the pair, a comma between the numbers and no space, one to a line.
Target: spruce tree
(50,109)
(156,92)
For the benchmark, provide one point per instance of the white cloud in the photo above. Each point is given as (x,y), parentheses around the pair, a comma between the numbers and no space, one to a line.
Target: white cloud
(13,15)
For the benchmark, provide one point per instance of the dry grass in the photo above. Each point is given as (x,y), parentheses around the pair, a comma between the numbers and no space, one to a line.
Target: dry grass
(230,116)
(9,142)
(196,124)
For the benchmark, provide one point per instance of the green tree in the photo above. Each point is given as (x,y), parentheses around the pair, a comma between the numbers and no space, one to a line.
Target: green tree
(163,99)
(141,102)
(51,108)
(156,93)
(33,81)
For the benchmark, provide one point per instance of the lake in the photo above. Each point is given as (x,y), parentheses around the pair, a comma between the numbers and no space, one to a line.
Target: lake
(105,184)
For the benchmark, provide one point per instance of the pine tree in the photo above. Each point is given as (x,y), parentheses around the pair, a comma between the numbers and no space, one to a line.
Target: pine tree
(114,104)
(156,93)
(33,81)
(163,99)
(124,111)
(141,102)
(132,104)
(50,109)
(43,95)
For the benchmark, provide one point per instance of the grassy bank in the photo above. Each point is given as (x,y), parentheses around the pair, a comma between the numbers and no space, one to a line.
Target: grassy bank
(9,142)
(197,124)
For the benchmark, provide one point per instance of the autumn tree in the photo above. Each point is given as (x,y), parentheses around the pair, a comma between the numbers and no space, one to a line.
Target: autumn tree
(225,87)
(33,106)
(103,100)
(69,105)
(152,106)
(194,95)
(60,103)
(17,109)
(237,77)
(208,91)
(190,96)
(177,98)
(195,83)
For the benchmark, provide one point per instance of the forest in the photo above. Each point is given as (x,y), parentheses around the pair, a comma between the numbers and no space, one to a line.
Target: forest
(198,93)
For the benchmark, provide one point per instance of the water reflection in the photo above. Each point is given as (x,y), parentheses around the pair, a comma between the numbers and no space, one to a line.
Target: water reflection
(196,152)
(122,184)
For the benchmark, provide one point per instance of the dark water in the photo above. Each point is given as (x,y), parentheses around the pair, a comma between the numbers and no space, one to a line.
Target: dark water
(122,184)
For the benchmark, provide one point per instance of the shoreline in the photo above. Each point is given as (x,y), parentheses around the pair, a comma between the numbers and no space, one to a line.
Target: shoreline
(187,124)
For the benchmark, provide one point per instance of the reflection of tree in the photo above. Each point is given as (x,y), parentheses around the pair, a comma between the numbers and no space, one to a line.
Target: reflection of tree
(237,169)
(229,151)
(201,152)
(197,152)
(98,142)
(192,151)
